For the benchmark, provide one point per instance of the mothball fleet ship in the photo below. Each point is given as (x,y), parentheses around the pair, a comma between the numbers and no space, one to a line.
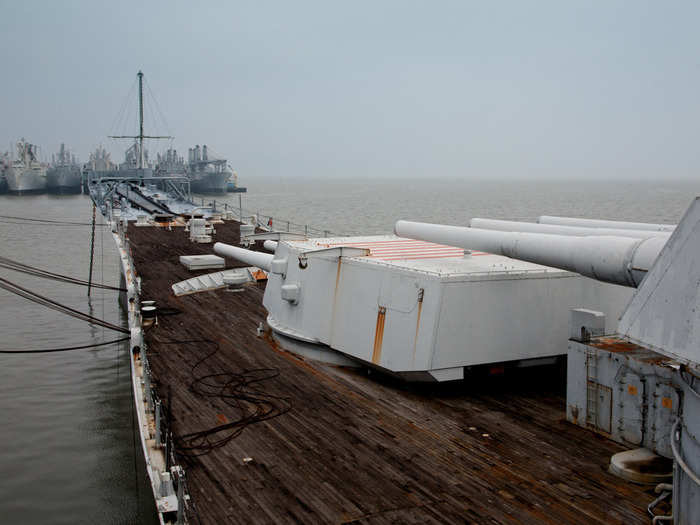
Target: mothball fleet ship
(63,176)
(207,174)
(26,174)
(4,163)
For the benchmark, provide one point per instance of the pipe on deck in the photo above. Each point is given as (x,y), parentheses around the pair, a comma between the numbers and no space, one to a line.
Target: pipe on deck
(617,260)
(259,259)
(556,229)
(599,223)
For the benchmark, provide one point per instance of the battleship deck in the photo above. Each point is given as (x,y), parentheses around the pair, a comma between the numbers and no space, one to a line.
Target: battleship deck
(355,447)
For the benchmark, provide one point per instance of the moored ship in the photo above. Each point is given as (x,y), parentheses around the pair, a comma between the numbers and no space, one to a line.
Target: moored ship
(207,174)
(26,174)
(4,163)
(64,174)
(170,163)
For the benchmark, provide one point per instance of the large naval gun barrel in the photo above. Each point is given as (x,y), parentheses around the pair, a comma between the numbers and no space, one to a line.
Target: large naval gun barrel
(556,229)
(259,259)
(617,260)
(599,223)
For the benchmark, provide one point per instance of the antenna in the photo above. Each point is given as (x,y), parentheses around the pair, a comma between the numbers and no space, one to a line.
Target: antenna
(140,136)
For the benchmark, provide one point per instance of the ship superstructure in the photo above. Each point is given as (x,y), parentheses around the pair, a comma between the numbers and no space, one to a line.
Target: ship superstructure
(63,176)
(100,160)
(170,163)
(26,174)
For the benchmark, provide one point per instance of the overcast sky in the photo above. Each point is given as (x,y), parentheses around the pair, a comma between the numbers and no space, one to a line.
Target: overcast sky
(368,89)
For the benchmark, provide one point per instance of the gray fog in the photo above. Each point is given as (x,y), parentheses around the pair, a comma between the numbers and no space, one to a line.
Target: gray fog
(367,89)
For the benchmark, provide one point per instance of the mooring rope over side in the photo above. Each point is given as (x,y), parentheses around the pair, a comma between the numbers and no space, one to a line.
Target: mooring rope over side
(17,266)
(54,305)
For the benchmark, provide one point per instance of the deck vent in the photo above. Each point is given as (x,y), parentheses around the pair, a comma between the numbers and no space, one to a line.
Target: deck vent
(245,230)
(201,231)
(234,281)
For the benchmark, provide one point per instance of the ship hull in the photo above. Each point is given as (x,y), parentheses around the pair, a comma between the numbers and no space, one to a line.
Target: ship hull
(210,183)
(24,181)
(63,180)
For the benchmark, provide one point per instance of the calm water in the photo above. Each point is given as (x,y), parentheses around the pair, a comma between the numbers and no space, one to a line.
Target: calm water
(372,206)
(66,436)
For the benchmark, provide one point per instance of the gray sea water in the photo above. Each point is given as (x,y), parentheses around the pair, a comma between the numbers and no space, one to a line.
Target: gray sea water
(363,206)
(66,444)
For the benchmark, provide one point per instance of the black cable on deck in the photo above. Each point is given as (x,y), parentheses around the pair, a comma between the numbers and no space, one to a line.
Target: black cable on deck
(239,391)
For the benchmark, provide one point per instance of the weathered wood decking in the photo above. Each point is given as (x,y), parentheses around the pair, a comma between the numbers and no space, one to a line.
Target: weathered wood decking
(359,448)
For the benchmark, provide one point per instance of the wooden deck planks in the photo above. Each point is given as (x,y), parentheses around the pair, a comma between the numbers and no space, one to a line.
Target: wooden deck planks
(365,449)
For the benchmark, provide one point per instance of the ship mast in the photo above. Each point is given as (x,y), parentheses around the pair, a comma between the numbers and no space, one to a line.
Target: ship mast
(140,136)
(140,75)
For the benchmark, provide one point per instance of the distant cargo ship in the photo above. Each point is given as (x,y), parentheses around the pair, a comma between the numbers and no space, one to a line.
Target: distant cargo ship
(26,174)
(4,163)
(99,165)
(207,174)
(64,174)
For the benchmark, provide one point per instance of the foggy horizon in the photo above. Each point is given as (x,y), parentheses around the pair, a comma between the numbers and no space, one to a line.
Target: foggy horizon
(404,90)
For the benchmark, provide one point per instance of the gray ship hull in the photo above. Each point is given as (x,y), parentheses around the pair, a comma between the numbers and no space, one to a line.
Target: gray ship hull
(63,180)
(209,183)
(22,181)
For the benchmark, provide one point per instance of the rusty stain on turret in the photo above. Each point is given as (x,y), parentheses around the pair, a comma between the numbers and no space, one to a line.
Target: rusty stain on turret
(379,335)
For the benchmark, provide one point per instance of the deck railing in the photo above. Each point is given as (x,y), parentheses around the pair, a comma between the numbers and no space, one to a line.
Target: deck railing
(264,220)
(171,481)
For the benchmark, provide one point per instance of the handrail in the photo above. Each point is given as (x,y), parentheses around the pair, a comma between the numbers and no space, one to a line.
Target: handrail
(675,436)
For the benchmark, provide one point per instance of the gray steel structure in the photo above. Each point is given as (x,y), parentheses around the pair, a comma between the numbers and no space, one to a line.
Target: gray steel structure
(599,223)
(641,386)
(617,260)
(576,231)
(419,310)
